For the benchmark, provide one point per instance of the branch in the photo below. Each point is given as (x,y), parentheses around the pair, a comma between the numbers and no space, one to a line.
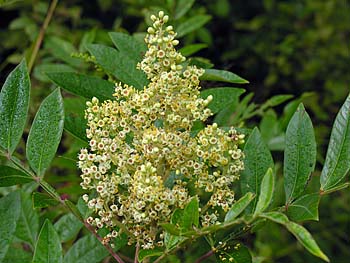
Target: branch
(137,253)
(110,250)
(205,256)
(40,37)
(55,196)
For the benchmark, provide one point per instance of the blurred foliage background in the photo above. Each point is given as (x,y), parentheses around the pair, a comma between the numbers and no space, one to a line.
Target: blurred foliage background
(296,47)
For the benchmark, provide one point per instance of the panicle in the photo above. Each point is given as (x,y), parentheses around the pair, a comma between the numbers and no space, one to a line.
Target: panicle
(143,155)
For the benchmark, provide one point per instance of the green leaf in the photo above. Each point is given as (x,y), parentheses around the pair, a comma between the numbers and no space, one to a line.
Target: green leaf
(223,76)
(200,62)
(172,235)
(42,70)
(191,49)
(11,176)
(43,200)
(83,85)
(10,210)
(62,50)
(182,7)
(14,101)
(192,24)
(45,134)
(275,101)
(233,114)
(128,45)
(222,97)
(305,238)
(48,248)
(119,65)
(191,215)
(257,160)
(276,217)
(120,241)
(239,206)
(74,121)
(304,208)
(277,143)
(74,209)
(266,192)
(271,131)
(86,249)
(337,163)
(16,254)
(299,154)
(171,241)
(28,223)
(76,126)
(171,229)
(336,188)
(67,227)
(50,190)
(83,208)
(240,254)
(146,253)
(177,217)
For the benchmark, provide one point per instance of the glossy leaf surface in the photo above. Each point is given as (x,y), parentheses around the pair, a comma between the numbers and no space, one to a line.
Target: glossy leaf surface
(67,227)
(238,207)
(10,210)
(48,248)
(304,208)
(14,101)
(119,65)
(337,163)
(299,154)
(41,200)
(191,215)
(45,133)
(86,249)
(28,224)
(266,192)
(128,45)
(146,253)
(256,162)
(11,176)
(302,234)
(305,238)
(83,85)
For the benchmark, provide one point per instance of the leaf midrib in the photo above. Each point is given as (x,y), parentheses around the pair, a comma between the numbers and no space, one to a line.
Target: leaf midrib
(342,144)
(12,117)
(297,163)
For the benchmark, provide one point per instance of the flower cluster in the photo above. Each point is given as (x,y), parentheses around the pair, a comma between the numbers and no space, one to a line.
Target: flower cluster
(144,161)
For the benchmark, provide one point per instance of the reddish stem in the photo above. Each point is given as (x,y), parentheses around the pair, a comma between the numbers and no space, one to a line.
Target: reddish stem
(110,250)
(205,256)
(137,253)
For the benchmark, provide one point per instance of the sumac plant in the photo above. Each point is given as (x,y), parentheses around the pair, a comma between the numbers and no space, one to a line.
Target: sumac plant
(157,173)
